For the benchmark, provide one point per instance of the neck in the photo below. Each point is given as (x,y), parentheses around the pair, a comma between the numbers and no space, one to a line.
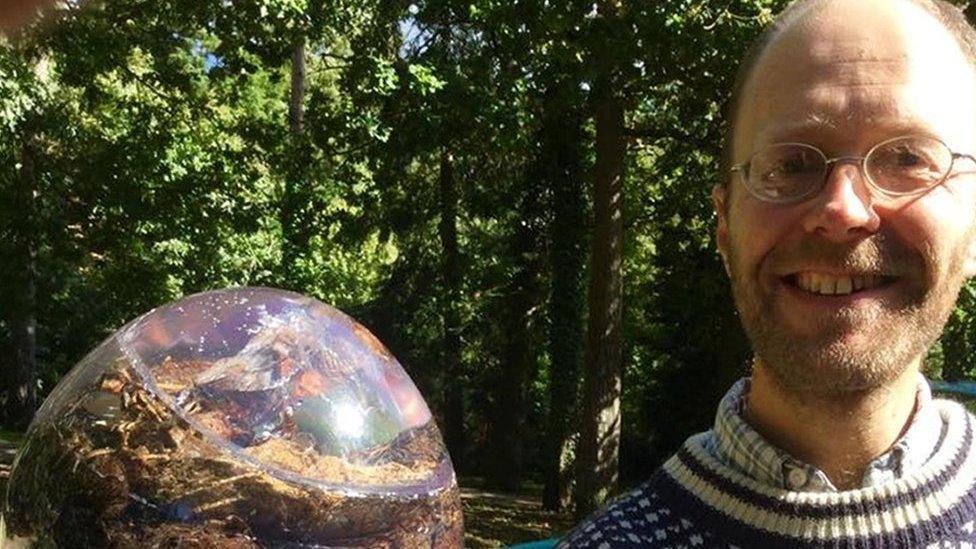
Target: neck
(838,434)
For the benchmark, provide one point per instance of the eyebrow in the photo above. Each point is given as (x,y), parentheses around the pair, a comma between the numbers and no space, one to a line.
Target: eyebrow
(817,122)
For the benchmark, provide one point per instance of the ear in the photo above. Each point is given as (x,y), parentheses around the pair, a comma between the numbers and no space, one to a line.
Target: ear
(720,196)
(969,260)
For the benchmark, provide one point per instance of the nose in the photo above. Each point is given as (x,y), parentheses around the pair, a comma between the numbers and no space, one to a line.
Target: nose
(844,208)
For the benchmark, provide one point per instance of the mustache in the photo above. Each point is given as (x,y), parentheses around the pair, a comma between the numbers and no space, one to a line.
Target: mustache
(879,253)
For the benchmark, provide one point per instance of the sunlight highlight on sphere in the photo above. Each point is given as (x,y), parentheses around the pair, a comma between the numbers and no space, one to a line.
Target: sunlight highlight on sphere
(349,420)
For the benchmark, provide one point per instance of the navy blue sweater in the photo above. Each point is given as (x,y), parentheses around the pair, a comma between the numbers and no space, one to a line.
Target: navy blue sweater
(695,501)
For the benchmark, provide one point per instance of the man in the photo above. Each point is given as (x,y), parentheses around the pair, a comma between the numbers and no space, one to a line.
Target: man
(846,221)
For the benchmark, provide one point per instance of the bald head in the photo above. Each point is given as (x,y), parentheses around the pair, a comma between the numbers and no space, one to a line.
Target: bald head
(15,14)
(866,39)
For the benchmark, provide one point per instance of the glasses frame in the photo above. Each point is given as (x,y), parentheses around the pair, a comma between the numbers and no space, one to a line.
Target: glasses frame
(860,161)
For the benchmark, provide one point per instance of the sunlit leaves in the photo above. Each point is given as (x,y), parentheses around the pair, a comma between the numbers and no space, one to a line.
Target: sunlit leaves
(425,79)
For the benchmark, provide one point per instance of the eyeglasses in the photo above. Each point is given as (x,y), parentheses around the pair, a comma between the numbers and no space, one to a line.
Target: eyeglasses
(790,172)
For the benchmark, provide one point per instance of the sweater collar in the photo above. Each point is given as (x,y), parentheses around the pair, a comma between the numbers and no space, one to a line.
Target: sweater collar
(935,504)
(736,444)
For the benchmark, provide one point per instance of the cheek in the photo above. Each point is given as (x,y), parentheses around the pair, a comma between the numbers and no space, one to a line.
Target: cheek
(939,226)
(755,229)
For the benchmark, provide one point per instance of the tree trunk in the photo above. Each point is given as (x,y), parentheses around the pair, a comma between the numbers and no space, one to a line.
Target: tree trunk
(291,240)
(563,175)
(597,459)
(507,418)
(506,427)
(453,384)
(22,391)
(296,103)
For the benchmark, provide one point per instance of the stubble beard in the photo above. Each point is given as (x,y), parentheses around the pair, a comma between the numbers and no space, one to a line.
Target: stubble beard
(859,349)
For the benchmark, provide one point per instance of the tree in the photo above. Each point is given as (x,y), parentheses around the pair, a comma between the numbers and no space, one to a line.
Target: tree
(561,158)
(291,199)
(22,391)
(597,460)
(519,309)
(24,225)
(164,156)
(451,280)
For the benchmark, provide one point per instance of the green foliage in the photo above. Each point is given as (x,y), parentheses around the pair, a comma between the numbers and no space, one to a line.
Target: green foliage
(167,162)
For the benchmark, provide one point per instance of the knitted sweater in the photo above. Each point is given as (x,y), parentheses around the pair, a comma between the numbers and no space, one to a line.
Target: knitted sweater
(693,500)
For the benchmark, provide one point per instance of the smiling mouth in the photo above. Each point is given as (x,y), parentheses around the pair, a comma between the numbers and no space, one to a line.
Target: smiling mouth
(827,284)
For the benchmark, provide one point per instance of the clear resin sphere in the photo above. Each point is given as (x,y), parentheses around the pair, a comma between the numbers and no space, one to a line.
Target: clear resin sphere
(236,418)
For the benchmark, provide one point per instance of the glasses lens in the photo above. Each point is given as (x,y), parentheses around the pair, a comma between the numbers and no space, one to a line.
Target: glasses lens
(908,164)
(786,171)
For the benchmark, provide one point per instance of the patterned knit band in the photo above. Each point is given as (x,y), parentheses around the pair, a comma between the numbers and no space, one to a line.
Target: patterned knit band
(931,505)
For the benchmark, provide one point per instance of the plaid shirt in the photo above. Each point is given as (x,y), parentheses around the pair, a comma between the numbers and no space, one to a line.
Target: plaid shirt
(733,442)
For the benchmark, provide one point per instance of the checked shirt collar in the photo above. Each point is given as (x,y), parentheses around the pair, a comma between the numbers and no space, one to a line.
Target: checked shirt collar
(736,444)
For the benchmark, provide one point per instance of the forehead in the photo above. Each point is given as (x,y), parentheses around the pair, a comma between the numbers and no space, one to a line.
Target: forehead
(846,72)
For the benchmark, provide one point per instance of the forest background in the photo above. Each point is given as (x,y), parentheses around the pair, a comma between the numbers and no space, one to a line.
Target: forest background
(513,195)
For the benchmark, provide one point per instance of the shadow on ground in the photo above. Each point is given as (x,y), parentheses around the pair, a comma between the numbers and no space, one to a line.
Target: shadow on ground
(492,519)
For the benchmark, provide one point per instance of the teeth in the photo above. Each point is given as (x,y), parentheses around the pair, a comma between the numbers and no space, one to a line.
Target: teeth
(844,285)
(828,285)
(805,281)
(815,283)
(825,284)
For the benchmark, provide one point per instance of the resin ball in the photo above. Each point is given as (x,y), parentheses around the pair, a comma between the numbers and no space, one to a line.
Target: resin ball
(236,418)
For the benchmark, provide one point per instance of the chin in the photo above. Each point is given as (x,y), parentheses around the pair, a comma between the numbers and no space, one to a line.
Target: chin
(838,370)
